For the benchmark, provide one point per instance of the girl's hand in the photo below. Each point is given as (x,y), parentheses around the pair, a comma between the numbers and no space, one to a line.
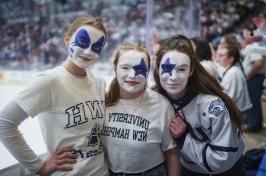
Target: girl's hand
(60,160)
(177,127)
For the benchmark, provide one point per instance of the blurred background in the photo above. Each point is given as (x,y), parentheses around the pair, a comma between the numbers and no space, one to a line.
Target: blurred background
(32,40)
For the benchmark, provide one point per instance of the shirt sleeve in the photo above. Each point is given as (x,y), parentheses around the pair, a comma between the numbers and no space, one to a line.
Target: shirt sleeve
(167,139)
(10,117)
(219,150)
(37,97)
(232,85)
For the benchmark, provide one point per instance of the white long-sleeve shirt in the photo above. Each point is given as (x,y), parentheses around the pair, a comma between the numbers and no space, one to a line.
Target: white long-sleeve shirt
(71,112)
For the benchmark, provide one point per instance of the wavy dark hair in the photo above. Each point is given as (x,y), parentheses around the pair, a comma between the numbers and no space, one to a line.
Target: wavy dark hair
(200,81)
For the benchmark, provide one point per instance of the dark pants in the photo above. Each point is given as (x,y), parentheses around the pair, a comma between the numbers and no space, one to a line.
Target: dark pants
(254,115)
(236,170)
(159,170)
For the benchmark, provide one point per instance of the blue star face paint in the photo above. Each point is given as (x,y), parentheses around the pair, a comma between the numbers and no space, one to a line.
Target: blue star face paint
(174,73)
(141,69)
(132,71)
(167,67)
(86,45)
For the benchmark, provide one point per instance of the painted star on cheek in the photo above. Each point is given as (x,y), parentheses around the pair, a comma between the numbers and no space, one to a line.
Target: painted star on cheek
(141,68)
(167,67)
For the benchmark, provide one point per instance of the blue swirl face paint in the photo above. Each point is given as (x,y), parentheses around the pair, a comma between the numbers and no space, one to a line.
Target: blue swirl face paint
(98,46)
(82,39)
(86,45)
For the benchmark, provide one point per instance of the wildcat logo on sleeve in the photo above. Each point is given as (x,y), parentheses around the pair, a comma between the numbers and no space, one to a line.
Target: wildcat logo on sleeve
(216,107)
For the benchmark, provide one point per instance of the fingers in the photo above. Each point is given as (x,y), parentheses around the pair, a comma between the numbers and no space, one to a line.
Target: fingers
(66,155)
(177,127)
(65,161)
(63,150)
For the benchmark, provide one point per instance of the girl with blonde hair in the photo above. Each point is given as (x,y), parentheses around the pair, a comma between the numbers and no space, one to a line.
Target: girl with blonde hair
(136,132)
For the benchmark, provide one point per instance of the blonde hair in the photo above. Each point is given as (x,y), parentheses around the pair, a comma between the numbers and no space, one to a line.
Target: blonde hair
(86,20)
(112,96)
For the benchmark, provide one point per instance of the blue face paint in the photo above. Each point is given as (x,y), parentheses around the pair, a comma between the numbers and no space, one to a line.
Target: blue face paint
(82,39)
(98,46)
(141,69)
(167,67)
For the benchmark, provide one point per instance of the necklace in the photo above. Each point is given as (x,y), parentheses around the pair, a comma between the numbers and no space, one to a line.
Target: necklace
(140,101)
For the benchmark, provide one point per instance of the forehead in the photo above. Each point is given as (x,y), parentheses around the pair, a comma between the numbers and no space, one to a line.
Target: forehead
(132,57)
(176,57)
(92,31)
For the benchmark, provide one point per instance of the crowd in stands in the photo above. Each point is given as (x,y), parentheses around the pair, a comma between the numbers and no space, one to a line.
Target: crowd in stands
(32,31)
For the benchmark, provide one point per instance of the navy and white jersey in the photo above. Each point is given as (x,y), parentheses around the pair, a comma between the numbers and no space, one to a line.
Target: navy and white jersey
(212,145)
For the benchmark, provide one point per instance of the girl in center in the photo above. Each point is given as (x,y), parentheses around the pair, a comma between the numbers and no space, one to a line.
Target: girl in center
(136,132)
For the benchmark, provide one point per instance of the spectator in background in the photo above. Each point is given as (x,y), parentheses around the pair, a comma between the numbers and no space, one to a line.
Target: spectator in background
(229,39)
(203,52)
(69,102)
(233,80)
(254,67)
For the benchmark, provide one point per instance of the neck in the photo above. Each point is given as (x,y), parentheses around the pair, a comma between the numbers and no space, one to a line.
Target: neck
(74,69)
(126,95)
(179,95)
(227,66)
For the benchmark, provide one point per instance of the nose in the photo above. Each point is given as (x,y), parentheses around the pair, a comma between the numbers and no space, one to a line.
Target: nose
(131,74)
(87,51)
(174,76)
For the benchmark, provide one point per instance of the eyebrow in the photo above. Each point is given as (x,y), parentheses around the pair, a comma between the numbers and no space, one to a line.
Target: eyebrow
(183,65)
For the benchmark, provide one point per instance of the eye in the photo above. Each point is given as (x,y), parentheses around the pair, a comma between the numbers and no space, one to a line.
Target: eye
(81,41)
(182,69)
(140,70)
(124,67)
(97,46)
(166,68)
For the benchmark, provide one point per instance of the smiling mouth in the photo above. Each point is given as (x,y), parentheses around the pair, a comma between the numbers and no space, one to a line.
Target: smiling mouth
(132,82)
(87,59)
(173,85)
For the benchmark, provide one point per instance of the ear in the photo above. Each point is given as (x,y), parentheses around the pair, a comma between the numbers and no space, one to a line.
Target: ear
(232,60)
(67,40)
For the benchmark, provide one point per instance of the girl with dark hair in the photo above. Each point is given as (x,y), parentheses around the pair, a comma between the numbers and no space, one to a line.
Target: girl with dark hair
(136,133)
(212,143)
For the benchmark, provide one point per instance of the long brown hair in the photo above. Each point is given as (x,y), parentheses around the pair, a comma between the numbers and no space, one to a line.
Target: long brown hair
(200,81)
(112,96)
